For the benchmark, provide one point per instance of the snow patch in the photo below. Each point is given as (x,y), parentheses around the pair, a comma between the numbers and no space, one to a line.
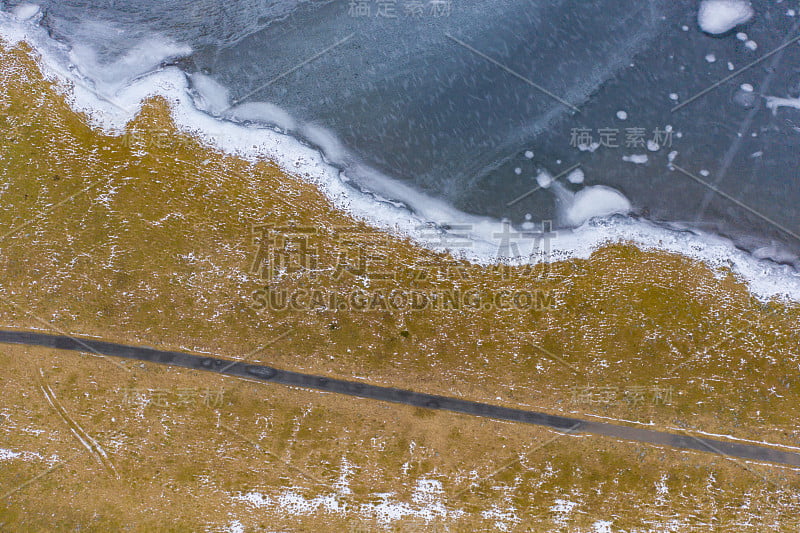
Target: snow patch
(595,201)
(8,455)
(503,518)
(427,502)
(25,12)
(602,526)
(719,16)
(5,455)
(235,527)
(562,509)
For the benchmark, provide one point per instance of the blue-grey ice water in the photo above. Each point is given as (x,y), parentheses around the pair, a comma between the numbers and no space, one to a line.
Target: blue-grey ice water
(468,101)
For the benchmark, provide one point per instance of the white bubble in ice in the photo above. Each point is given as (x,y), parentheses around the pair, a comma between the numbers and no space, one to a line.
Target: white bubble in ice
(517,171)
(576,176)
(673,96)
(730,65)
(745,96)
(790,12)
(752,45)
(704,172)
(544,179)
(637,159)
(742,36)
(528,154)
(652,145)
(622,115)
(528,225)
(711,58)
(685,27)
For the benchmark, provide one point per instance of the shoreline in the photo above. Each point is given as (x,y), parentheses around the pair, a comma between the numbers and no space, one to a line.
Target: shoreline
(765,279)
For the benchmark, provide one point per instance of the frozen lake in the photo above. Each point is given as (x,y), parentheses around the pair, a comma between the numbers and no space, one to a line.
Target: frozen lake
(469,102)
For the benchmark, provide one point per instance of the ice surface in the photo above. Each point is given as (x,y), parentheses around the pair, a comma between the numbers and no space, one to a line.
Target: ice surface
(719,16)
(110,75)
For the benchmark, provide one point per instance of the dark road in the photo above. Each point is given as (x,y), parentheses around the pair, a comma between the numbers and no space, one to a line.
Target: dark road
(401,396)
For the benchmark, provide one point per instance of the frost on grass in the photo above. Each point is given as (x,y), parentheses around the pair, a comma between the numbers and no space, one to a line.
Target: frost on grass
(426,503)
